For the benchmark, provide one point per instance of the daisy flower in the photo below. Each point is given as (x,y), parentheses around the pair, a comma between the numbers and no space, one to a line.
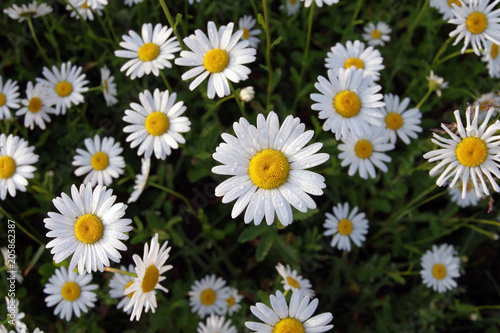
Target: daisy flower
(486,102)
(130,3)
(13,310)
(9,260)
(377,34)
(471,198)
(156,124)
(399,120)
(9,98)
(216,324)
(291,7)
(293,318)
(117,287)
(492,59)
(37,106)
(472,154)
(32,10)
(68,83)
(140,180)
(16,159)
(90,227)
(440,267)
(108,86)
(436,83)
(149,53)
(94,4)
(220,56)
(291,280)
(348,101)
(319,3)
(445,7)
(355,54)
(208,296)
(84,9)
(101,161)
(267,164)
(192,1)
(233,301)
(246,23)
(476,23)
(346,226)
(71,292)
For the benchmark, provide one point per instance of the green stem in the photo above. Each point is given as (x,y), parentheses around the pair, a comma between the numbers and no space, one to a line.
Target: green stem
(166,81)
(178,195)
(479,230)
(422,101)
(414,24)
(241,106)
(97,88)
(171,22)
(119,271)
(407,273)
(18,225)
(453,55)
(110,25)
(356,12)
(40,48)
(268,54)
(214,107)
(53,39)
(441,51)
(105,28)
(487,307)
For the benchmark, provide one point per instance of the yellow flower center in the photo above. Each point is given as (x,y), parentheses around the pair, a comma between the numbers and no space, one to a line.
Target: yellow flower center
(356,62)
(347,103)
(293,2)
(64,88)
(345,227)
(207,296)
(105,86)
(291,281)
(3,99)
(35,104)
(439,271)
(128,285)
(88,229)
(216,60)
(269,169)
(471,152)
(99,161)
(150,279)
(376,34)
(494,51)
(394,121)
(70,291)
(27,13)
(289,325)
(230,301)
(85,5)
(246,33)
(476,22)
(363,148)
(148,52)
(456,2)
(7,167)
(157,123)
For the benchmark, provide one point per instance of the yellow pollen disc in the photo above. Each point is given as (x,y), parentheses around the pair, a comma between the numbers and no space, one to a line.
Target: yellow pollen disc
(128,285)
(148,52)
(150,279)
(230,301)
(105,86)
(85,5)
(3,99)
(394,121)
(216,60)
(88,228)
(363,149)
(456,2)
(7,167)
(347,103)
(494,51)
(70,291)
(476,22)
(345,227)
(471,152)
(356,62)
(35,104)
(269,169)
(99,161)
(291,281)
(246,33)
(157,123)
(64,88)
(207,296)
(376,34)
(439,271)
(293,2)
(27,13)
(289,325)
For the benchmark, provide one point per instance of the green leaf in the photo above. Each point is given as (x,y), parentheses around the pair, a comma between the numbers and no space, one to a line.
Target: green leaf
(252,232)
(261,21)
(299,216)
(265,244)
(396,277)
(276,78)
(138,238)
(287,251)
(276,42)
(137,221)
(380,204)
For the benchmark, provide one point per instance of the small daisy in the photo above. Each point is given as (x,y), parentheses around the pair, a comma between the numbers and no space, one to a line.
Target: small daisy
(130,3)
(94,4)
(267,164)
(319,3)
(117,287)
(32,10)
(16,159)
(377,34)
(192,1)
(247,94)
(71,292)
(108,86)
(156,124)
(355,54)
(216,324)
(84,9)
(68,83)
(9,98)
(233,301)
(140,180)
(348,101)
(37,106)
(291,7)
(13,303)
(486,102)
(346,226)
(208,296)
(291,280)
(90,227)
(492,59)
(471,198)
(148,53)
(476,23)
(399,120)
(440,267)
(220,56)
(475,153)
(101,161)
(246,23)
(445,7)
(293,318)
(436,83)
(10,262)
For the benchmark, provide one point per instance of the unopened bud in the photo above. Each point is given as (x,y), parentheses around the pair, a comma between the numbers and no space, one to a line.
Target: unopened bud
(247,94)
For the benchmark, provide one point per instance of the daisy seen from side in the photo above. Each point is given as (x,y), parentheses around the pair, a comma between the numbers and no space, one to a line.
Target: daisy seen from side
(485,103)
(216,324)
(208,296)
(346,226)
(233,301)
(490,56)
(31,10)
(246,23)
(37,106)
(118,284)
(445,7)
(291,7)
(377,34)
(399,120)
(9,97)
(140,180)
(440,267)
(292,280)
(108,87)
(436,83)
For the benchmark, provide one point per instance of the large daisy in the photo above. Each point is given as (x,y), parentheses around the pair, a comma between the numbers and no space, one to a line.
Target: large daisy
(377,34)
(31,10)
(37,106)
(117,287)
(90,227)
(267,164)
(9,97)
(216,324)
(472,154)
(220,56)
(150,52)
(292,280)
(346,226)
(208,296)
(440,267)
(400,121)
